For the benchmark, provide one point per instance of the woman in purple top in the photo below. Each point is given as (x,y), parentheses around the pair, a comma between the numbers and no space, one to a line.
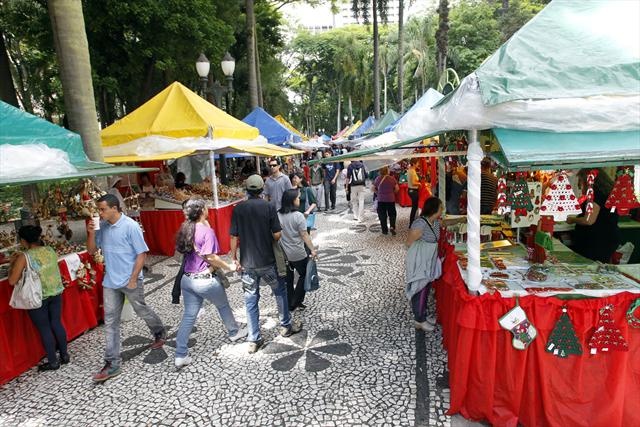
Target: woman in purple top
(385,186)
(197,241)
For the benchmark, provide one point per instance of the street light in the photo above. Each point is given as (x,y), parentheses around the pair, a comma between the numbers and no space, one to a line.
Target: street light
(202,67)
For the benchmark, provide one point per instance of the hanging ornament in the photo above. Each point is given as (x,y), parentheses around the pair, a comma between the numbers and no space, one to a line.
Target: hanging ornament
(563,341)
(632,319)
(519,197)
(622,198)
(502,201)
(607,336)
(518,324)
(559,200)
(591,177)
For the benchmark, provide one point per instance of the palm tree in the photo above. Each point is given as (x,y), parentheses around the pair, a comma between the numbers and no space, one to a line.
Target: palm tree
(401,55)
(419,56)
(254,99)
(442,36)
(72,49)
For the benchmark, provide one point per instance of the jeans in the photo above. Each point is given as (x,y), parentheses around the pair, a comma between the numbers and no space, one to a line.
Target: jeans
(357,201)
(387,209)
(319,193)
(330,194)
(194,292)
(419,304)
(113,302)
(415,196)
(251,278)
(296,294)
(47,320)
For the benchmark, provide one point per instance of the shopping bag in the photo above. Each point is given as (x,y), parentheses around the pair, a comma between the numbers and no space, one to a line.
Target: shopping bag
(27,293)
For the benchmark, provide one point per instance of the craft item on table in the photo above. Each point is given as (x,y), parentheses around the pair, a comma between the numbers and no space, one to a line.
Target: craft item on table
(544,289)
(607,336)
(622,198)
(518,324)
(537,273)
(542,244)
(499,275)
(559,200)
(502,205)
(563,341)
(591,177)
(73,264)
(495,285)
(589,286)
(632,314)
(499,263)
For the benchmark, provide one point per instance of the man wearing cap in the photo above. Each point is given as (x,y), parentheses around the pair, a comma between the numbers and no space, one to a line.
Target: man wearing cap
(255,223)
(276,184)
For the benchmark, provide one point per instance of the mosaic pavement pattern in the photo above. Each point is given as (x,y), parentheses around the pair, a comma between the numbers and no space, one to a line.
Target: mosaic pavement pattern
(358,360)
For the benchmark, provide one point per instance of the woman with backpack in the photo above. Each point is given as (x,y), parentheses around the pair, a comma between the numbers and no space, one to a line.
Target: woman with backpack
(293,241)
(47,318)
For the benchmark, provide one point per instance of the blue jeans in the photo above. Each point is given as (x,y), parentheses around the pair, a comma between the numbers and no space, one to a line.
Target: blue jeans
(48,322)
(252,297)
(194,292)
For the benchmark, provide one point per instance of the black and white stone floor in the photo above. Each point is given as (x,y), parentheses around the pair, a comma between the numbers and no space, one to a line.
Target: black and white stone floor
(358,361)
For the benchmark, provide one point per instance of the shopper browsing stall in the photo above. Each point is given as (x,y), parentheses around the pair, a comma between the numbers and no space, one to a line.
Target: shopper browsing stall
(385,187)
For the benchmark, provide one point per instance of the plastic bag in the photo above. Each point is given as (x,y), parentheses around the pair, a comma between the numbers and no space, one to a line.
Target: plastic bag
(33,161)
(622,255)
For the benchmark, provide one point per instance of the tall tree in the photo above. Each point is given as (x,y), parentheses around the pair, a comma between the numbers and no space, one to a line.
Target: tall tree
(401,55)
(254,99)
(442,36)
(70,40)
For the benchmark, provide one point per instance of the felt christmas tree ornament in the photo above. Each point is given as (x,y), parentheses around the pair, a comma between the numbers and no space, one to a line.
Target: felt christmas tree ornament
(607,336)
(559,200)
(563,341)
(518,324)
(502,204)
(519,198)
(622,198)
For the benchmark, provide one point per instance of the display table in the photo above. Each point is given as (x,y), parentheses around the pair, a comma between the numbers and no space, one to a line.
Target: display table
(161,226)
(492,381)
(403,199)
(20,345)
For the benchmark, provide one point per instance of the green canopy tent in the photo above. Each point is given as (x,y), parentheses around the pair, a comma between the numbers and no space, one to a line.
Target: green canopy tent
(20,128)
(388,119)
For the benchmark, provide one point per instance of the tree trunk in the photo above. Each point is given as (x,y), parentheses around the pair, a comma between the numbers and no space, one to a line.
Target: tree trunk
(350,109)
(442,36)
(7,88)
(376,62)
(258,73)
(70,38)
(401,54)
(254,100)
(339,111)
(384,77)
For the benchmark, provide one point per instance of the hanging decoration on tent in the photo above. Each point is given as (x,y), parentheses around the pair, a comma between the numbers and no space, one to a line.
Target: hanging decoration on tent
(591,177)
(563,341)
(559,200)
(516,322)
(502,204)
(519,198)
(632,318)
(622,198)
(607,336)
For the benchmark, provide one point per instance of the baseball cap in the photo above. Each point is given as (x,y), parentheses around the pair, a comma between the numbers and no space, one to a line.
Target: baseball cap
(254,182)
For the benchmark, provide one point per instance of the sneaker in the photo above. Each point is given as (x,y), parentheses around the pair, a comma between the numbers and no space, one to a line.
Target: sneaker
(106,372)
(254,346)
(293,328)
(424,326)
(242,332)
(301,307)
(64,359)
(159,340)
(181,362)
(48,366)
(201,312)
(432,320)
(393,231)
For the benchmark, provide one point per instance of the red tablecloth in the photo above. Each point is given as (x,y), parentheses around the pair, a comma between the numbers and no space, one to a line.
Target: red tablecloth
(20,346)
(492,381)
(161,226)
(403,199)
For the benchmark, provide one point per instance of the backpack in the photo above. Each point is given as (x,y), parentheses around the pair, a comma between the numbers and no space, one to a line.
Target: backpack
(358,176)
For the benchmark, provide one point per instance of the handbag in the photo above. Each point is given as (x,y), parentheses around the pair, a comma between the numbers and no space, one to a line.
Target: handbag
(27,293)
(311,279)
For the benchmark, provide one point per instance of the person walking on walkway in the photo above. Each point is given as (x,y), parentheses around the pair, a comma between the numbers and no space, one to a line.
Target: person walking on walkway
(331,173)
(293,241)
(357,178)
(385,186)
(308,200)
(125,251)
(413,182)
(317,183)
(48,318)
(276,184)
(197,241)
(255,223)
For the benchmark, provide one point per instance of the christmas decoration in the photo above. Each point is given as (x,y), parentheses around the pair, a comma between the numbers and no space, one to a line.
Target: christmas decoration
(559,200)
(531,217)
(591,177)
(502,205)
(607,336)
(563,341)
(634,321)
(622,198)
(519,198)
(518,324)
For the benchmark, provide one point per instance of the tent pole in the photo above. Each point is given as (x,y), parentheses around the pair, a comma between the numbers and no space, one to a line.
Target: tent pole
(258,165)
(442,175)
(474,156)
(214,181)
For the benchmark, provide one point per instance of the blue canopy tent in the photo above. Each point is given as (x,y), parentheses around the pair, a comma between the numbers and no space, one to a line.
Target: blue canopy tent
(270,128)
(364,127)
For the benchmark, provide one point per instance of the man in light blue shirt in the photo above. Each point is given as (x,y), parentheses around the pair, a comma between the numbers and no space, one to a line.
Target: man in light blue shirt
(125,251)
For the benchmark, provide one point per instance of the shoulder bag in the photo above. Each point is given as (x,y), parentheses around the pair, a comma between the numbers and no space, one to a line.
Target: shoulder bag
(27,293)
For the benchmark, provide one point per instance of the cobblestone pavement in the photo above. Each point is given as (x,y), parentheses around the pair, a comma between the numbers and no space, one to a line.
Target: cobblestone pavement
(358,361)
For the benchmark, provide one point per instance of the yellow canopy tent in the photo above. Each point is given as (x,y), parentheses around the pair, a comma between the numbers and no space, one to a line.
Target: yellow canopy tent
(289,126)
(352,129)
